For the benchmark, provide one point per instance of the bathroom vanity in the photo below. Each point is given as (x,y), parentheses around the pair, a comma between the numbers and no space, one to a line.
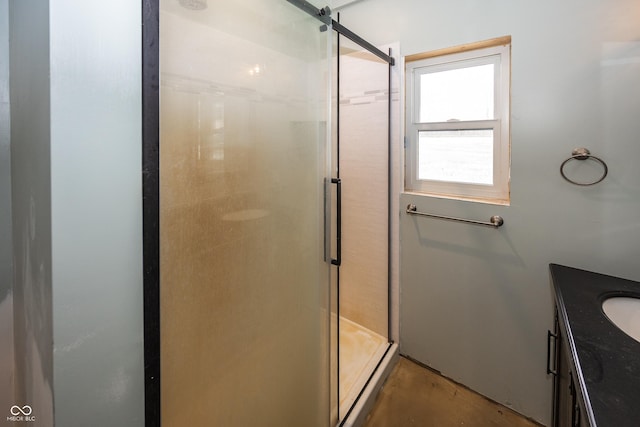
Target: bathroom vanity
(596,366)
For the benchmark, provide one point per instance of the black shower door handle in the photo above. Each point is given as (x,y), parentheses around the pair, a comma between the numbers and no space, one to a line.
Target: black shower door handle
(338,259)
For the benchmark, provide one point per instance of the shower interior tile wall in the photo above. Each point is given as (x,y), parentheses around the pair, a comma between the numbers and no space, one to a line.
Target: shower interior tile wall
(363,170)
(237,153)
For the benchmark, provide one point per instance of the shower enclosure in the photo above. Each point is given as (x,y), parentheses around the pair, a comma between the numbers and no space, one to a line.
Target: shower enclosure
(266,278)
(361,161)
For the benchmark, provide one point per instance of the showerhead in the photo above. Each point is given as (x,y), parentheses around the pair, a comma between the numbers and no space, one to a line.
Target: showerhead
(194,4)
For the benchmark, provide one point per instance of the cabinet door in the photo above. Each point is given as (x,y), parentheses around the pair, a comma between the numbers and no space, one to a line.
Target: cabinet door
(564,401)
(567,405)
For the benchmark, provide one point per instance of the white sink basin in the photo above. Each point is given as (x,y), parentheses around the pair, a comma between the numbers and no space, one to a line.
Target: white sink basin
(624,312)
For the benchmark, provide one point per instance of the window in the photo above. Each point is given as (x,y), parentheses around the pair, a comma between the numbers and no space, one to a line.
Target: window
(458,122)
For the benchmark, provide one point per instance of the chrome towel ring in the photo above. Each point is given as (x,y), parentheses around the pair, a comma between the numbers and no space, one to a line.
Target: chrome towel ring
(584,154)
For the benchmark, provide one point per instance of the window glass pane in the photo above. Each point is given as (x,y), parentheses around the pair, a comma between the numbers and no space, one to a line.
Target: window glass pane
(459,94)
(464,156)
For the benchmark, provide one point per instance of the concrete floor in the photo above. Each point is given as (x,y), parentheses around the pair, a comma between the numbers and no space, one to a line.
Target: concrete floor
(416,396)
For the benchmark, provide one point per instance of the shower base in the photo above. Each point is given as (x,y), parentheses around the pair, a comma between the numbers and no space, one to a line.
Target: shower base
(360,351)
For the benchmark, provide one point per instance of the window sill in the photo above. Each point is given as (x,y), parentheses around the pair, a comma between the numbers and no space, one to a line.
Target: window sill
(486,201)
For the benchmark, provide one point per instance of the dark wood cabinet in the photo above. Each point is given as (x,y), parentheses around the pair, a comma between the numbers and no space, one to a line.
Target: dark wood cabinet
(568,405)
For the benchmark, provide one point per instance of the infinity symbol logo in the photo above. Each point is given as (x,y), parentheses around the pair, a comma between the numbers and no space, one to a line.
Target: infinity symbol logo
(25,410)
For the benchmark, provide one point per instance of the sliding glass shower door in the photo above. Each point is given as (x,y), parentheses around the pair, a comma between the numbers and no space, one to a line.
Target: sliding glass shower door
(244,286)
(361,160)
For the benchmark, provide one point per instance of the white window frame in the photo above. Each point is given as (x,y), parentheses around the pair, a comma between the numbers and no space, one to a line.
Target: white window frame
(497,193)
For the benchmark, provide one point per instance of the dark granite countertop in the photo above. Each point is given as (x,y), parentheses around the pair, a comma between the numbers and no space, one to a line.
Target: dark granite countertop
(607,360)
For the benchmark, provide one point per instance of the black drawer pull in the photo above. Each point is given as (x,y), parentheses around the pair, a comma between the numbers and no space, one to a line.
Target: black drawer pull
(550,335)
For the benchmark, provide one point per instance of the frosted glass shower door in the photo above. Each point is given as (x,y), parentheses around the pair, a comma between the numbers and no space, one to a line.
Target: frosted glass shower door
(244,287)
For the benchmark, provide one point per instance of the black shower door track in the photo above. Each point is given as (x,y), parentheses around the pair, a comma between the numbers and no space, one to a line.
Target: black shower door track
(324,15)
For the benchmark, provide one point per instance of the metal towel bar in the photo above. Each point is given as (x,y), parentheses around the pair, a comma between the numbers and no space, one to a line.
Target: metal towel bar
(495,221)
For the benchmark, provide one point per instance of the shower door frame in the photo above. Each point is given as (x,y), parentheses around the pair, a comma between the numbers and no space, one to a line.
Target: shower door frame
(151,191)
(151,207)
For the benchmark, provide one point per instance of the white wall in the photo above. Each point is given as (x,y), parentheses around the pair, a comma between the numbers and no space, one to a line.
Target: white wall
(476,302)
